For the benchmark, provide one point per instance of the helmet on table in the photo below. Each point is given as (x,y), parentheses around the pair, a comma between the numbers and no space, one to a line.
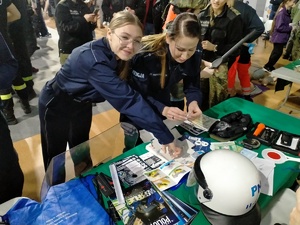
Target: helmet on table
(226,182)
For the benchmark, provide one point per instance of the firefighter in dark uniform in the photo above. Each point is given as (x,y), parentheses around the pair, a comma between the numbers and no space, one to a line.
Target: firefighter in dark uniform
(18,83)
(96,72)
(169,58)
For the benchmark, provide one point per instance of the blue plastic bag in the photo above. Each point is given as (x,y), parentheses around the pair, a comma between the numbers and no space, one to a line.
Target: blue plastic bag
(65,204)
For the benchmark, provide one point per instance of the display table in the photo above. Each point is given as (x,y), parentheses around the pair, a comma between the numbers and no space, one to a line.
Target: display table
(283,174)
(288,73)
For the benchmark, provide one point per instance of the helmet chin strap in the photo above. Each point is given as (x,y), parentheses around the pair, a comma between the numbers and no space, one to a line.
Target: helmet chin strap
(204,193)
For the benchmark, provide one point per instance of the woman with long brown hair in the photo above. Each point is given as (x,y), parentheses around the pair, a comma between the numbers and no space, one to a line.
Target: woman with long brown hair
(165,60)
(280,33)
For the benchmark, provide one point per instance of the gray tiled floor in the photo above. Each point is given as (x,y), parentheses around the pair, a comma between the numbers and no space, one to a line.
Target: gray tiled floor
(47,61)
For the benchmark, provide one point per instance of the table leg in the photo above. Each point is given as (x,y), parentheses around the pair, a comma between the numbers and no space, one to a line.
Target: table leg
(287,96)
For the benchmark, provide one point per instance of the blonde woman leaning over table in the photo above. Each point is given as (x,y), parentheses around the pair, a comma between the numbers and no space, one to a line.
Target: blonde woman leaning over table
(96,72)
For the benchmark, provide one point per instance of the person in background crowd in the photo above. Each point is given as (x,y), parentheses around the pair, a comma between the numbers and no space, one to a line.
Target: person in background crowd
(221,30)
(274,8)
(294,36)
(20,32)
(23,82)
(75,24)
(8,13)
(295,53)
(148,18)
(166,59)
(40,27)
(137,7)
(11,175)
(31,41)
(96,72)
(100,13)
(280,33)
(251,21)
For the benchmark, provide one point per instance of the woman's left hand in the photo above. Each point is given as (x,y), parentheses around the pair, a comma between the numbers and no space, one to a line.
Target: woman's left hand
(174,113)
(194,111)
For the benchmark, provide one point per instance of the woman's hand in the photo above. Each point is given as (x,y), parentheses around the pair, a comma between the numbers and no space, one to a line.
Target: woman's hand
(207,45)
(174,113)
(90,18)
(194,111)
(172,149)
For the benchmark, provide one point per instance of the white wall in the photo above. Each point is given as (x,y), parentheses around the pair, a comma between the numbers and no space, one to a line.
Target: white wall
(259,6)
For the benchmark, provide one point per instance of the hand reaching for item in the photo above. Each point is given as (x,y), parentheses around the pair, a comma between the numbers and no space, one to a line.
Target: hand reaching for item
(174,113)
(172,149)
(194,111)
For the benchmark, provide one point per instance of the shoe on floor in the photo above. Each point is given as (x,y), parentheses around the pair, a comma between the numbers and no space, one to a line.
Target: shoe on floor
(25,106)
(268,69)
(256,90)
(286,56)
(10,117)
(248,98)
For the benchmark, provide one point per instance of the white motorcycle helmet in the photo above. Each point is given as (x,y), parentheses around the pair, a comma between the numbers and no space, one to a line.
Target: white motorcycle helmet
(226,182)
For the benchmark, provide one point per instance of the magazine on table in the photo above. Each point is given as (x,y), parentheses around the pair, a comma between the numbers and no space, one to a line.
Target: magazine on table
(131,169)
(144,205)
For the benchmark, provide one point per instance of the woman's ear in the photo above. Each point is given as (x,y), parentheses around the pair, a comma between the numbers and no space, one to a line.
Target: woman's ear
(168,39)
(109,34)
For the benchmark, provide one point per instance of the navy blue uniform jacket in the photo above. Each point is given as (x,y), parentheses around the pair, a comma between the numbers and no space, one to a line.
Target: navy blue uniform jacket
(90,74)
(146,72)
(145,78)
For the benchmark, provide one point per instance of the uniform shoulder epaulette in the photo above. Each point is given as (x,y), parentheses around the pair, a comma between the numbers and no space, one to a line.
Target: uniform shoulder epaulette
(232,13)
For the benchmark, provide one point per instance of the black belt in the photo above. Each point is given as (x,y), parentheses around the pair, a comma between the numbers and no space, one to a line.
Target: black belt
(57,91)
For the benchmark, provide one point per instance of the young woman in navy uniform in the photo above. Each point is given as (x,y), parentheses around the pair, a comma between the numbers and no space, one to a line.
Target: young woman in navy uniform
(165,60)
(95,72)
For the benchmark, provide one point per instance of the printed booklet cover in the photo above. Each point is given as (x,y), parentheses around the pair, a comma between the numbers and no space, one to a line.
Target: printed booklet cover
(144,206)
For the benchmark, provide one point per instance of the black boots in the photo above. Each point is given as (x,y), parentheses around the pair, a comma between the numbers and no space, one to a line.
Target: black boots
(25,106)
(10,116)
(8,110)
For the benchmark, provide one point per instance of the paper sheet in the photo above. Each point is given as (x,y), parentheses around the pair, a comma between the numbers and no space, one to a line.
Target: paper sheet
(266,170)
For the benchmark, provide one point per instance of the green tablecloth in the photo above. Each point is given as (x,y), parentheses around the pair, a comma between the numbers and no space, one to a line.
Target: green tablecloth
(292,64)
(283,175)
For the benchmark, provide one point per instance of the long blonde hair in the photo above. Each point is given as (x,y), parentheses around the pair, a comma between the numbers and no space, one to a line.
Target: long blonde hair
(121,19)
(184,25)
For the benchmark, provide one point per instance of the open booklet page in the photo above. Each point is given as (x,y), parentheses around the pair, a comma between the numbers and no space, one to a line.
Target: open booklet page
(172,171)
